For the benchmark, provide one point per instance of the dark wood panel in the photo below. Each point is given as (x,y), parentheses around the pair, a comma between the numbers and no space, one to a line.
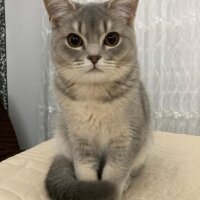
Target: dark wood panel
(8,141)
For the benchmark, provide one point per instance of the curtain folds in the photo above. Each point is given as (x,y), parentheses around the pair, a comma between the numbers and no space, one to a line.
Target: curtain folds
(168,38)
(169,54)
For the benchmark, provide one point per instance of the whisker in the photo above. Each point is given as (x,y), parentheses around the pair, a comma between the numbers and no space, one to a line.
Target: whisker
(78,63)
(124,84)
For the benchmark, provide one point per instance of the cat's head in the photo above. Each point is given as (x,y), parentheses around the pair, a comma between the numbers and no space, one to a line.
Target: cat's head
(93,43)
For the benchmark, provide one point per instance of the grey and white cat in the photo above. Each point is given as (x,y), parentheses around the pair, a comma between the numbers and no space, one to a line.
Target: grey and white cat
(103,126)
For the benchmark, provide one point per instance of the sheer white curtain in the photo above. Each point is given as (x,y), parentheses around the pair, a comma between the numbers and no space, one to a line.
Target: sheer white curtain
(168,37)
(47,106)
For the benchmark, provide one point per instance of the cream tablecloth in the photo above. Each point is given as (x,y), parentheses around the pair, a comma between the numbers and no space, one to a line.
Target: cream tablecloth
(172,171)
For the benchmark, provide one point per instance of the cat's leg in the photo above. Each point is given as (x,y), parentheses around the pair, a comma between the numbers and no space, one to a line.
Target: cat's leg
(113,173)
(135,172)
(138,165)
(85,160)
(85,170)
(117,168)
(122,163)
(80,152)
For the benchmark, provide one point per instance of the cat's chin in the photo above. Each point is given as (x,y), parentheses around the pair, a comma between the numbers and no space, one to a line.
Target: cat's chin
(96,76)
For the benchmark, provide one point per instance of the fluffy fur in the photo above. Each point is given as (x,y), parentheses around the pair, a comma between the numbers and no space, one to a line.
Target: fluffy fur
(102,128)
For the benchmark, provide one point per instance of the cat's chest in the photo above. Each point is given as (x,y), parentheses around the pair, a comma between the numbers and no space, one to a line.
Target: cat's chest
(97,122)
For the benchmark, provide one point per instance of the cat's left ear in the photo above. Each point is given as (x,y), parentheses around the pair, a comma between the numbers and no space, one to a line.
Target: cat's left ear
(124,8)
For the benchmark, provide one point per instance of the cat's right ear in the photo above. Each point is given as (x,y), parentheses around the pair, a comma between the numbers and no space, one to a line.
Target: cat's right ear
(59,10)
(125,9)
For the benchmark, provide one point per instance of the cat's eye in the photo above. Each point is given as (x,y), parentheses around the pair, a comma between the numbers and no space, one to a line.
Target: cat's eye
(112,39)
(74,40)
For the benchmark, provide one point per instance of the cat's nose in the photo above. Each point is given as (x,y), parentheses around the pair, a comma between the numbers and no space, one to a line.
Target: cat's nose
(94,58)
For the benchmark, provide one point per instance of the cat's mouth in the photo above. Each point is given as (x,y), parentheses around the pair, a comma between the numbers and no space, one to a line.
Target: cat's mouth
(94,69)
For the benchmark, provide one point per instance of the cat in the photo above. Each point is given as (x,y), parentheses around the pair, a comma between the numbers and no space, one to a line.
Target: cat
(103,127)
